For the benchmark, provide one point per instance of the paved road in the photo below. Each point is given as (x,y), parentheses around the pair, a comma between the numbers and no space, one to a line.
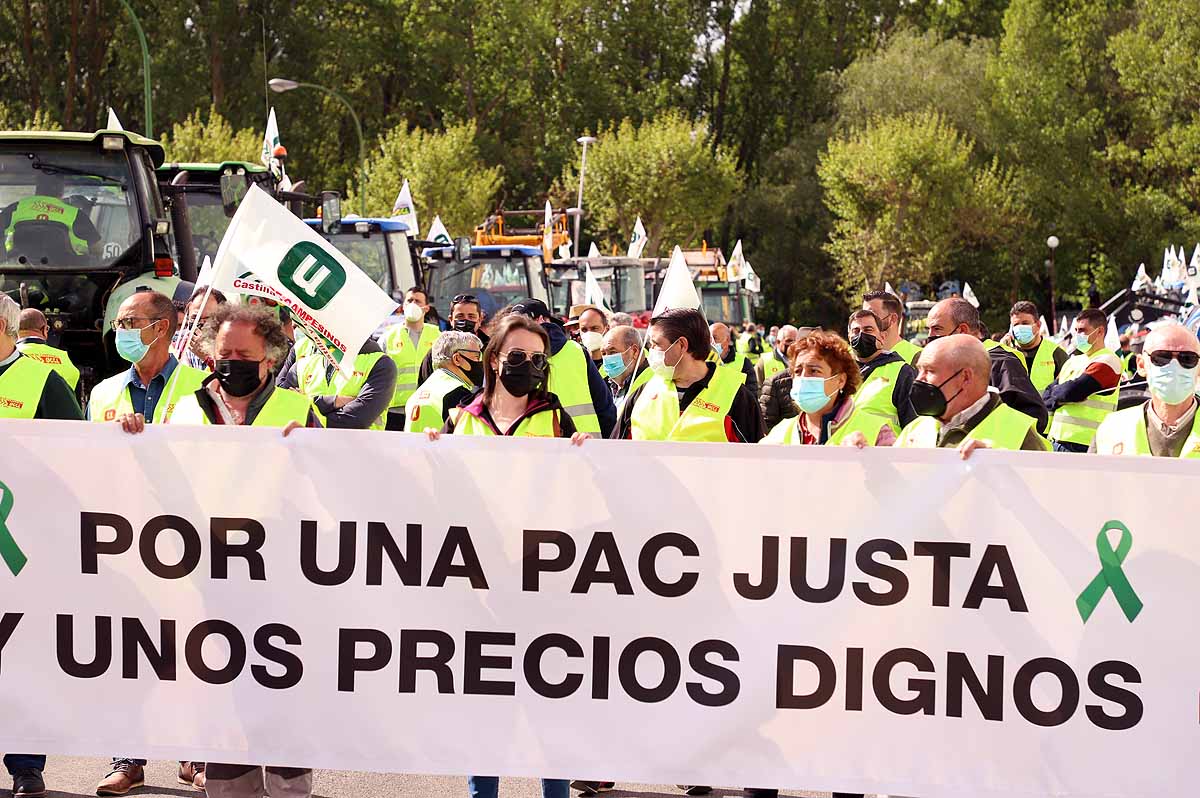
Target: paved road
(74,777)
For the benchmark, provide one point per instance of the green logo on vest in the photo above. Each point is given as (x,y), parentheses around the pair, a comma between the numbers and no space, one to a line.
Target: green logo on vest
(1111,576)
(10,552)
(312,274)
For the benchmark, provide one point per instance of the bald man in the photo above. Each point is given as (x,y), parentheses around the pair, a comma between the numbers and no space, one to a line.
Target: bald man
(31,340)
(726,352)
(1009,375)
(1164,426)
(957,408)
(775,360)
(619,356)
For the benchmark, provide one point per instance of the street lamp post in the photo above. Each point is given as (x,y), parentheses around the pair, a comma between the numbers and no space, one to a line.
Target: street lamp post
(1052,243)
(137,26)
(585,141)
(280,85)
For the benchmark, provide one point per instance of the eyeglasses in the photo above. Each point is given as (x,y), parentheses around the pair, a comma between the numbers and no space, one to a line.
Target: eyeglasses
(474,352)
(464,298)
(516,357)
(131,322)
(1189,360)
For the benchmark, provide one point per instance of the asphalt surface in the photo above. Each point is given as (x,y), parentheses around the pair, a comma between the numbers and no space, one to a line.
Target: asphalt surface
(75,777)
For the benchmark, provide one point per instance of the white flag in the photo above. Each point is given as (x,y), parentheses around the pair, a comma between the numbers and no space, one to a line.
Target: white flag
(753,284)
(735,269)
(1066,329)
(564,250)
(269,252)
(638,242)
(206,272)
(593,251)
(270,138)
(677,289)
(969,295)
(548,231)
(888,287)
(1142,280)
(1193,268)
(1112,338)
(1192,299)
(405,211)
(113,122)
(439,233)
(1044,330)
(593,293)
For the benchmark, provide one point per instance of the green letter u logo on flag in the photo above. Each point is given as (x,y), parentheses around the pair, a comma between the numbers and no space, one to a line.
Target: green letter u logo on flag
(10,552)
(1111,576)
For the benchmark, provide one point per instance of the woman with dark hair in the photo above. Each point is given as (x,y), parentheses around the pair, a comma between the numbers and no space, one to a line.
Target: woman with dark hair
(689,398)
(825,378)
(514,401)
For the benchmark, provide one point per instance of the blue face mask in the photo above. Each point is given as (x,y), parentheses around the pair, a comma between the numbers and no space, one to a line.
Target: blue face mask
(1023,334)
(1171,383)
(130,346)
(809,393)
(1081,343)
(614,365)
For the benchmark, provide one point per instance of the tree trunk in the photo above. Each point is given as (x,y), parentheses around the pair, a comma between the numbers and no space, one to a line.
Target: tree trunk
(723,90)
(71,83)
(31,67)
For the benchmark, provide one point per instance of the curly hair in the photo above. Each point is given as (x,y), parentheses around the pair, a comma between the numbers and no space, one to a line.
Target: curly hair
(833,349)
(266,325)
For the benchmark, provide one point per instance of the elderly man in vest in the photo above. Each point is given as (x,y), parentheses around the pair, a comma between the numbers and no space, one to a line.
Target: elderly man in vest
(154,382)
(957,409)
(775,360)
(1086,389)
(458,361)
(574,378)
(1164,426)
(886,377)
(32,341)
(727,354)
(28,389)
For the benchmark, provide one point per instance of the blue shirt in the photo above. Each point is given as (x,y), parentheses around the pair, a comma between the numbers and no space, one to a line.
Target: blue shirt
(145,397)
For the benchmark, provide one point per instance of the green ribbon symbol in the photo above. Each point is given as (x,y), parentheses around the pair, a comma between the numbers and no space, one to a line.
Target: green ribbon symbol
(10,552)
(1111,577)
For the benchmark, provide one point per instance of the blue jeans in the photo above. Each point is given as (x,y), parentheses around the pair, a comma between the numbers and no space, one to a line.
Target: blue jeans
(15,762)
(489,787)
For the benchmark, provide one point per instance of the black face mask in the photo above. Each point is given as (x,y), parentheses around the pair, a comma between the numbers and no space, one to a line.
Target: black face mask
(864,345)
(464,325)
(521,380)
(928,400)
(473,370)
(238,377)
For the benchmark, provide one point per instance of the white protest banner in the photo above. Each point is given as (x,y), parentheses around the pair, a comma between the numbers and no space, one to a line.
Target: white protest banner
(270,138)
(637,242)
(404,210)
(439,233)
(548,232)
(735,269)
(593,292)
(114,123)
(911,625)
(678,290)
(269,252)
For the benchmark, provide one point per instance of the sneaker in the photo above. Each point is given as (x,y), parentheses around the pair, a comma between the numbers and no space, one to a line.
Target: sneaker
(192,774)
(125,776)
(694,789)
(586,788)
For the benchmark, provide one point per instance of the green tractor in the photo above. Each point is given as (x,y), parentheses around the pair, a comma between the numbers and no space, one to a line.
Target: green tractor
(83,226)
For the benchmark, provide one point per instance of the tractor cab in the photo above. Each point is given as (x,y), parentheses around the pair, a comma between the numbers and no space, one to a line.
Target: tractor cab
(82,226)
(622,281)
(494,274)
(380,247)
(205,196)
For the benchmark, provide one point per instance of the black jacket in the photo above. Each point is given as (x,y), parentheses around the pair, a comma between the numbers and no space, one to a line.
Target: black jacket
(775,401)
(901,390)
(1010,378)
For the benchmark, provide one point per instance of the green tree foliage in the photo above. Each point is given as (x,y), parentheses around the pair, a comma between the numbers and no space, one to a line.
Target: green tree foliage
(667,171)
(196,140)
(446,174)
(908,202)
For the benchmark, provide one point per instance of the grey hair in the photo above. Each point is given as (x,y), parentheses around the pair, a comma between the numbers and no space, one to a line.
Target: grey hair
(265,323)
(450,342)
(10,314)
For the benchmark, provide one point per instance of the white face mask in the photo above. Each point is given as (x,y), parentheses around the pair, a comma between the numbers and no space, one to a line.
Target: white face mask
(413,312)
(592,341)
(657,361)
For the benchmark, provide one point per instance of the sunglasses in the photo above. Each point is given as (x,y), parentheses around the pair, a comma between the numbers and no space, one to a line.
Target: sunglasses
(516,357)
(1189,360)
(464,298)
